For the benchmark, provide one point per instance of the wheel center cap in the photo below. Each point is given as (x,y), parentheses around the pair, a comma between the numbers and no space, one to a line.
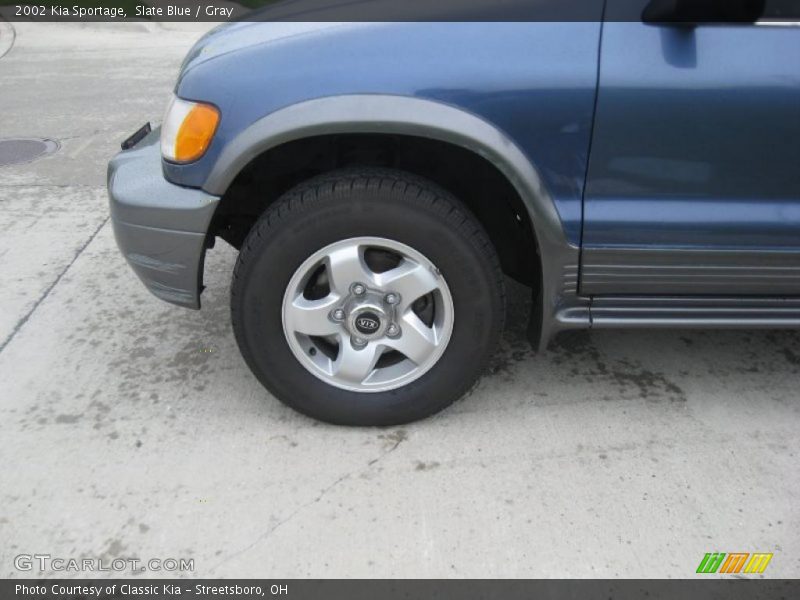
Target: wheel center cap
(367,321)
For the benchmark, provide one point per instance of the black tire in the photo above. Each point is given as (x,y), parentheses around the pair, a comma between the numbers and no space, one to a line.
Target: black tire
(379,203)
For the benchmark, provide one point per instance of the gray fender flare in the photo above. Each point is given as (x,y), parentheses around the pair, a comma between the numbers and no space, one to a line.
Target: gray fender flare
(557,307)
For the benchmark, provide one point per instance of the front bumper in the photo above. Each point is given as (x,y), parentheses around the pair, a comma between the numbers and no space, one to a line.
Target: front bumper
(161,228)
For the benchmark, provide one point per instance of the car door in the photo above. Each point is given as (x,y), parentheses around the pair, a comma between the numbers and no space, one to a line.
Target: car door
(693,185)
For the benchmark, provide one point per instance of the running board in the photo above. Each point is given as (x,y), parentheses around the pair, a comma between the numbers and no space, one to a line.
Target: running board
(699,312)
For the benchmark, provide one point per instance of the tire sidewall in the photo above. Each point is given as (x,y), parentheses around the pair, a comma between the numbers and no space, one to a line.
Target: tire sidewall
(337,212)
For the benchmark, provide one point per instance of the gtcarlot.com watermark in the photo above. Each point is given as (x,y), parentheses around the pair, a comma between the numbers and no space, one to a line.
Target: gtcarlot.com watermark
(47,562)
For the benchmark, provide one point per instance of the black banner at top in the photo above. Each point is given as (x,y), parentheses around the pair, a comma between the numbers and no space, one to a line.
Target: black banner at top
(675,11)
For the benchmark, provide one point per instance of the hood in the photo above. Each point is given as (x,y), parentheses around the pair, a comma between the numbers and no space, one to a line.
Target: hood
(231,37)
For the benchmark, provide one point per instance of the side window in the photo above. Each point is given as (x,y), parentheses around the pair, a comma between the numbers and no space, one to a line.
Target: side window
(787,11)
(771,12)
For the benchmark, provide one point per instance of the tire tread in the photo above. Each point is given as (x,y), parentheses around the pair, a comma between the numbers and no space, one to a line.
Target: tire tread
(330,187)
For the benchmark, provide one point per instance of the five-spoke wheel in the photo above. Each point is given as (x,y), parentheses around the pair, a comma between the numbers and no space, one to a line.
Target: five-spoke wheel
(367,314)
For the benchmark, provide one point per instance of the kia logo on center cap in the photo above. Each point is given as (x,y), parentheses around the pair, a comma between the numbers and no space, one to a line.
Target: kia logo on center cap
(368,323)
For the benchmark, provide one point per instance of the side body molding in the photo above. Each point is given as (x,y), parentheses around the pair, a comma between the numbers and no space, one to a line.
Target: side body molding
(557,306)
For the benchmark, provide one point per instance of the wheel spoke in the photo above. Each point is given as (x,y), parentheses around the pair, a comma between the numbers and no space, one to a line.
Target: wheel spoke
(313,327)
(417,341)
(346,266)
(312,317)
(354,366)
(410,280)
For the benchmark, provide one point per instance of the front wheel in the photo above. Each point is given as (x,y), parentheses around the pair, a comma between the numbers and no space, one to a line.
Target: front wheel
(367,297)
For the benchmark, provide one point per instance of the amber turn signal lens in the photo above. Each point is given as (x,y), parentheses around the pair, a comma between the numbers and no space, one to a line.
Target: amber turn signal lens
(187,130)
(195,133)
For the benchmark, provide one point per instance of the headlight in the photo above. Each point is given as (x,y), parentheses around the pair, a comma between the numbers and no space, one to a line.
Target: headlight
(187,130)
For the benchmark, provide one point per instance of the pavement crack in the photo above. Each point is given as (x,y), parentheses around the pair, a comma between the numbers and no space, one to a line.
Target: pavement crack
(8,35)
(88,134)
(398,439)
(21,323)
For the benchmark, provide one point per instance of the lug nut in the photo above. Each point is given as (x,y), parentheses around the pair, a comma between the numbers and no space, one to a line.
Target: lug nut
(358,289)
(358,342)
(392,330)
(338,315)
(392,298)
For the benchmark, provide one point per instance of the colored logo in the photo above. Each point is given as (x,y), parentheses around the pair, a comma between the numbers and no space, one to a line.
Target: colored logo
(735,562)
(368,323)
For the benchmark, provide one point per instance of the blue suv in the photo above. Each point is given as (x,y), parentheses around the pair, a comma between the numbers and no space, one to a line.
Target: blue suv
(380,180)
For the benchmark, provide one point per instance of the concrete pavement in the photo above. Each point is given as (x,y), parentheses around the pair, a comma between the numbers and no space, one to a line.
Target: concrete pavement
(131,428)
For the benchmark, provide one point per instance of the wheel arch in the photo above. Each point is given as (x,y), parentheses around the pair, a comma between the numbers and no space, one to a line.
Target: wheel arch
(556,305)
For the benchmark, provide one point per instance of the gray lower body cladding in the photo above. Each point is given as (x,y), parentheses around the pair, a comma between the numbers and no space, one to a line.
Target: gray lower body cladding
(161,228)
(695,312)
(691,272)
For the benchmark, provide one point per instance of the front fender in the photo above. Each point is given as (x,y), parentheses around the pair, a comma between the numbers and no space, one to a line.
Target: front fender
(400,115)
